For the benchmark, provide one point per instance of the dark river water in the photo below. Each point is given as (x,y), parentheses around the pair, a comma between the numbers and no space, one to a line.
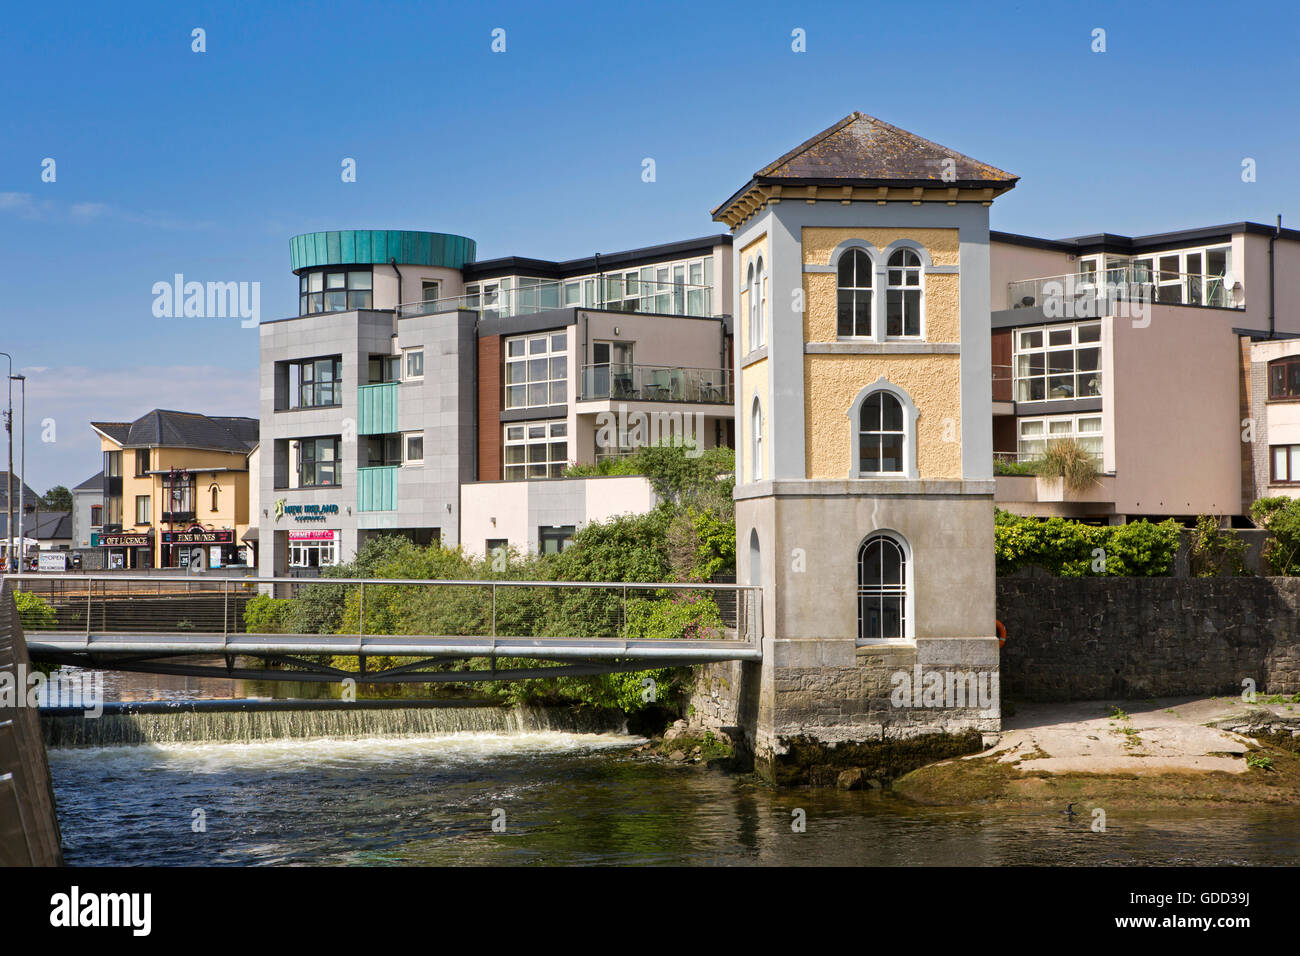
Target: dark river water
(562,798)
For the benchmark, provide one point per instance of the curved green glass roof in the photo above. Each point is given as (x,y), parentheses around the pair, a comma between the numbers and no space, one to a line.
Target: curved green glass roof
(373,246)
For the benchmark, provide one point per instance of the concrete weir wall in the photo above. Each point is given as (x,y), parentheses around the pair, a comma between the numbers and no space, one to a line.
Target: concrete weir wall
(29,827)
(1103,638)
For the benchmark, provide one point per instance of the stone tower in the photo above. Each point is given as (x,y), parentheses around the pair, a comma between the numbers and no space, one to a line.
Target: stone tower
(864,493)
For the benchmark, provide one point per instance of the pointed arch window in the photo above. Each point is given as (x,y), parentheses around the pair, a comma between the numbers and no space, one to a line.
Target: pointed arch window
(756,442)
(903,295)
(882,589)
(853,295)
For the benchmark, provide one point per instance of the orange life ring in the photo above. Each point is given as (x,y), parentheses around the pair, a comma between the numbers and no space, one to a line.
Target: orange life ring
(1002,633)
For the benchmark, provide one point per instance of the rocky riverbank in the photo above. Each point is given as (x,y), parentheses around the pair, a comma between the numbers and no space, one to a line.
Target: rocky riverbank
(1206,752)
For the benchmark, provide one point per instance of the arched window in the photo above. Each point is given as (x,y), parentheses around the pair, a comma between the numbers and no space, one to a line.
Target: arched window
(215,489)
(755,559)
(882,589)
(903,295)
(760,334)
(756,442)
(853,297)
(751,287)
(881,435)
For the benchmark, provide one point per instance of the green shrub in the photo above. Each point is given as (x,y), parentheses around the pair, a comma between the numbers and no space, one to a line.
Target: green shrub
(1215,551)
(264,614)
(1002,466)
(34,612)
(1072,549)
(1066,458)
(1281,516)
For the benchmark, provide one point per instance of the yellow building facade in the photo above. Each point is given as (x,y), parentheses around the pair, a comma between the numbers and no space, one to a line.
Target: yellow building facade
(864,498)
(177,491)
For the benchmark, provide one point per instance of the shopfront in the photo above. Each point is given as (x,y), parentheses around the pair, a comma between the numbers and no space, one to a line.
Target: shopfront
(200,548)
(127,551)
(317,548)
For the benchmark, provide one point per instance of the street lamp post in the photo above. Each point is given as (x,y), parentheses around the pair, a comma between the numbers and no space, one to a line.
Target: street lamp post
(22,477)
(9,475)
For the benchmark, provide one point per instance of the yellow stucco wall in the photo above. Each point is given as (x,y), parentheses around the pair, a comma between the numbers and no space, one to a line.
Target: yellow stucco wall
(232,497)
(820,241)
(753,380)
(832,382)
(942,306)
(747,254)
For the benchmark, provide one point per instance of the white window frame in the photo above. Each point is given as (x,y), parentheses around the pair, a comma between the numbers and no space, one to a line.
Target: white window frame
(556,346)
(1048,435)
(406,438)
(906,589)
(872,269)
(756,440)
(919,289)
(1075,345)
(407,355)
(521,434)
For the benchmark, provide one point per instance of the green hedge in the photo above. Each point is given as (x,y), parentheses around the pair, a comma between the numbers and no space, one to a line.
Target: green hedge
(1072,549)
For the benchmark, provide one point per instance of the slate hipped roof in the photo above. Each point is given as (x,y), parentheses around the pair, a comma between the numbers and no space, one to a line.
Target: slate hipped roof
(169,429)
(27,494)
(51,525)
(94,483)
(861,150)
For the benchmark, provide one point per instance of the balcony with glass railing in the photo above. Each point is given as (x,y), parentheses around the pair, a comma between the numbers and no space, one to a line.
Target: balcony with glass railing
(1085,295)
(541,295)
(656,383)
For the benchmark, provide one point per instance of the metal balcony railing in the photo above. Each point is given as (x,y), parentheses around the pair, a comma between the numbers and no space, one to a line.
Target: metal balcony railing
(656,383)
(1090,295)
(618,295)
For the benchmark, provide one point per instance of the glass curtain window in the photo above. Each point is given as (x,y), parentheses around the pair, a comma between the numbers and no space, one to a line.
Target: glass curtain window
(853,297)
(319,383)
(334,291)
(882,589)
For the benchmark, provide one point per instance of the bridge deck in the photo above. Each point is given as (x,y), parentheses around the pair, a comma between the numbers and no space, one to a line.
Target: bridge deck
(104,645)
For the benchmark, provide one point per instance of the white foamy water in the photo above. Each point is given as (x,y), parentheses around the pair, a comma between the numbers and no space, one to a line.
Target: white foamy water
(355,753)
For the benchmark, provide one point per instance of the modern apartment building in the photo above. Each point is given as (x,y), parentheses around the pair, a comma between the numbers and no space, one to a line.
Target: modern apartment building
(414,372)
(1140,349)
(176,491)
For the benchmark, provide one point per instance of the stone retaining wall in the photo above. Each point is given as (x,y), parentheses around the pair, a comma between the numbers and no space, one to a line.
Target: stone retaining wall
(1101,638)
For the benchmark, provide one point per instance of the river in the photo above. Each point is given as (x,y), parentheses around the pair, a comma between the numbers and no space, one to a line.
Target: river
(555,797)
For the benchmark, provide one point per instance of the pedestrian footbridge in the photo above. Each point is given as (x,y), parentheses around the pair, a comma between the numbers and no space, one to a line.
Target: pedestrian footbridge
(479,629)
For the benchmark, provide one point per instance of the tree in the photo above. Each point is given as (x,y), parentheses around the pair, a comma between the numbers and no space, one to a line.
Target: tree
(57,498)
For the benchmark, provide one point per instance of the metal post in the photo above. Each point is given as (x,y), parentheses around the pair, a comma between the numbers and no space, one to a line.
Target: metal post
(494,609)
(225,609)
(90,591)
(22,478)
(9,475)
(624,612)
(361,612)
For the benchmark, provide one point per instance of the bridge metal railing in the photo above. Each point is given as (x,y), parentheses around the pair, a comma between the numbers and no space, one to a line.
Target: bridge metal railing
(100,604)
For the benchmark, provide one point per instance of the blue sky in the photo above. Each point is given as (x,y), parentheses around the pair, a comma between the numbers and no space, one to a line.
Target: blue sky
(170,161)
